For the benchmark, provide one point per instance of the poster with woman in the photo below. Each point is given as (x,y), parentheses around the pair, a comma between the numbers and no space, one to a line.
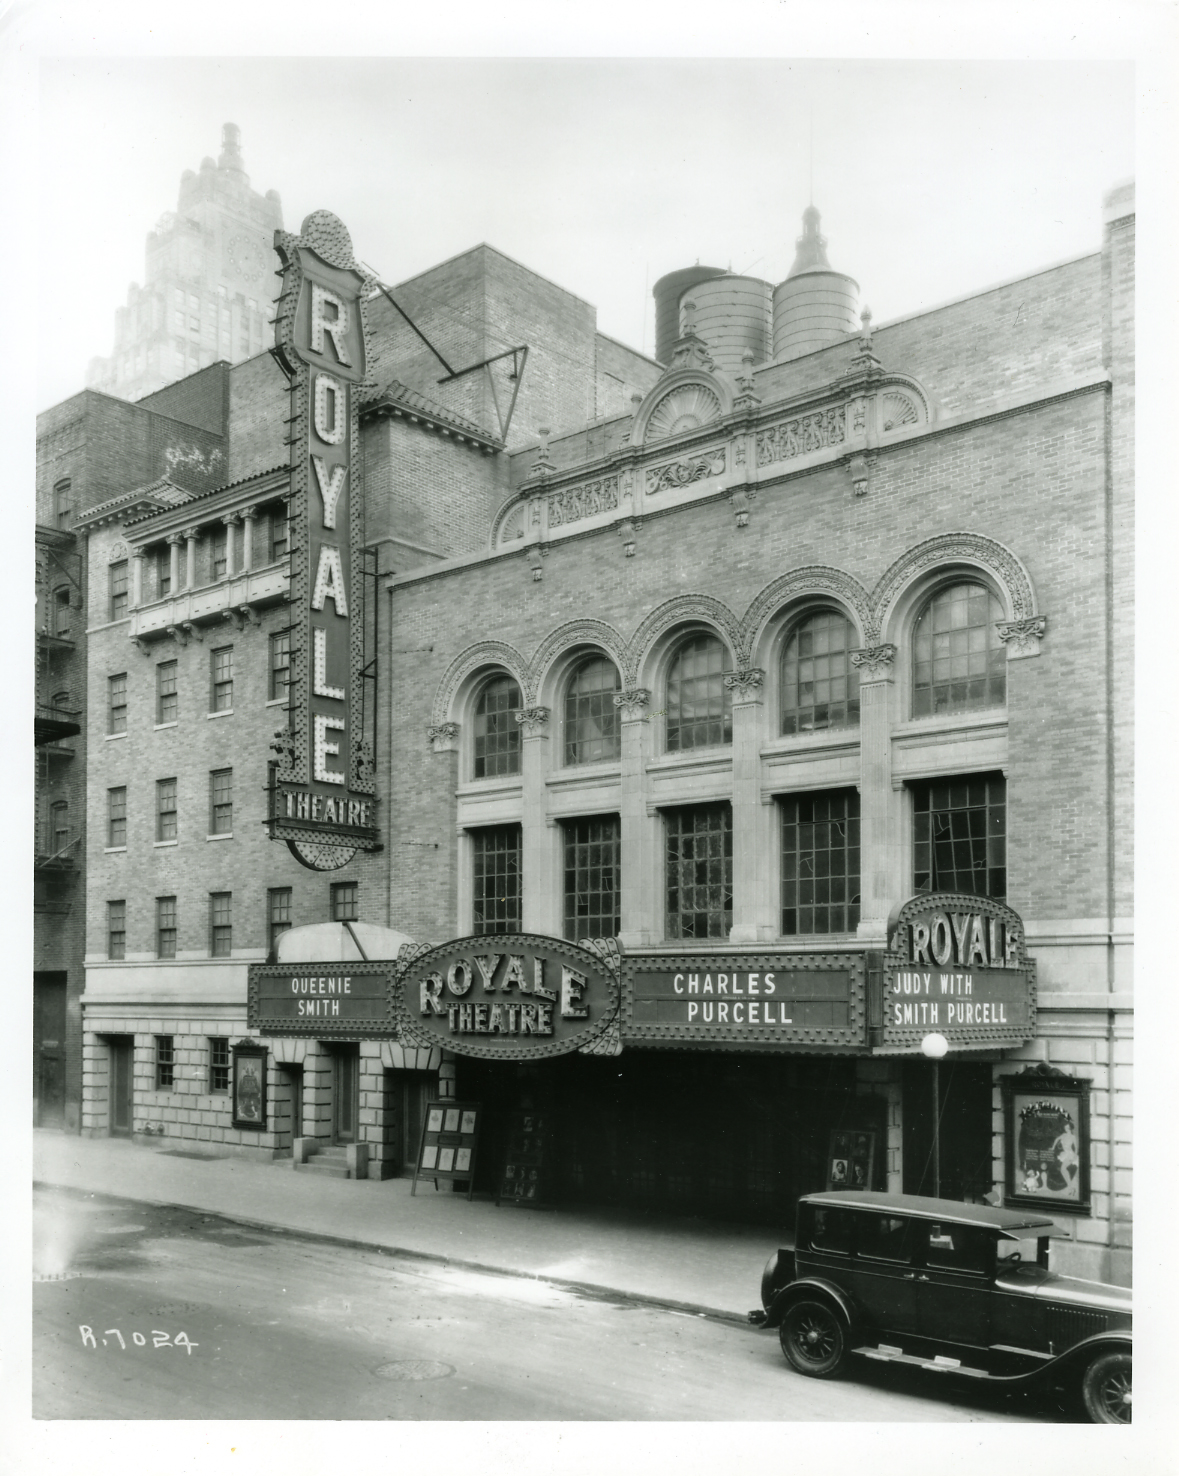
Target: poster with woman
(249,1087)
(1048,1144)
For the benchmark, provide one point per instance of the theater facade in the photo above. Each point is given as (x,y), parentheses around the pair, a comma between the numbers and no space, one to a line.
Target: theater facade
(750,765)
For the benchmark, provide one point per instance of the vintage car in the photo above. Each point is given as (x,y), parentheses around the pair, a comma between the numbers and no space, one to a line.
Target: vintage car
(963,1290)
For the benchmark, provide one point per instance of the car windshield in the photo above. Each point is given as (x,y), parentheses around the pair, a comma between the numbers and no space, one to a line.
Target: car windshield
(1019,1251)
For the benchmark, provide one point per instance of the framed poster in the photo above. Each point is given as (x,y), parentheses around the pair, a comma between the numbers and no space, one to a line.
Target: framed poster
(851,1156)
(450,1137)
(248,1086)
(1046,1117)
(525,1176)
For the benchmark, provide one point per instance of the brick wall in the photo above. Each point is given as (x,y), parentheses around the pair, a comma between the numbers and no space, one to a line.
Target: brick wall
(200,399)
(259,404)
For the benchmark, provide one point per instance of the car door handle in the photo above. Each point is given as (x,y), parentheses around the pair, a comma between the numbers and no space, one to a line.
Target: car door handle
(912,1276)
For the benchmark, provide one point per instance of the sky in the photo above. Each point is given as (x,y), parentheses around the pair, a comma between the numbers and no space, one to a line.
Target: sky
(934,178)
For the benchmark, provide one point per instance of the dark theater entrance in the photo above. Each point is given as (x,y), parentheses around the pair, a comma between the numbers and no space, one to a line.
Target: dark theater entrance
(725,1135)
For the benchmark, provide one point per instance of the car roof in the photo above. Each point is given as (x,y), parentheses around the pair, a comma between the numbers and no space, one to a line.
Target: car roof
(953,1211)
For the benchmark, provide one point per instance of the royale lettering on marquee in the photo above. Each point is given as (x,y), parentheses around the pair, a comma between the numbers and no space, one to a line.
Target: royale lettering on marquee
(958,965)
(323,803)
(532,996)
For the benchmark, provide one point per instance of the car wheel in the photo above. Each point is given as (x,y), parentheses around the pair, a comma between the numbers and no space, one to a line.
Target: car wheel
(814,1339)
(1106,1389)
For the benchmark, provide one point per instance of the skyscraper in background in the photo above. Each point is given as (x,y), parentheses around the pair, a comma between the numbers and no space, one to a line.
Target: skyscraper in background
(209,290)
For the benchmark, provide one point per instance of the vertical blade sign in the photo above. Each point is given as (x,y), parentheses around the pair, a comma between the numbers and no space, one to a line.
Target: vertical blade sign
(322,798)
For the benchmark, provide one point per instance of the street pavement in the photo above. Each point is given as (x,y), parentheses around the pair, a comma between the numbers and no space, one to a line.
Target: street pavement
(148,1311)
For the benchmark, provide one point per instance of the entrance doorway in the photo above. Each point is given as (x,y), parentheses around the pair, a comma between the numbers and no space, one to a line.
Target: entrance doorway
(345,1093)
(49,1024)
(413,1089)
(961,1167)
(122,1078)
(288,1106)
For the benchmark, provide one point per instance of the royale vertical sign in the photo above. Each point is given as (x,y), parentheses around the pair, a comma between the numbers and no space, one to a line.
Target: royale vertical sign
(323,803)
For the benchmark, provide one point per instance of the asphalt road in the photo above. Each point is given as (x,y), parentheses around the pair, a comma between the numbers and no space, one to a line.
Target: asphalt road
(143,1312)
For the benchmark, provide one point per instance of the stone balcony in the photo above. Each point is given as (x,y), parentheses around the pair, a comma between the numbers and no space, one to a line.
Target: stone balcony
(237,598)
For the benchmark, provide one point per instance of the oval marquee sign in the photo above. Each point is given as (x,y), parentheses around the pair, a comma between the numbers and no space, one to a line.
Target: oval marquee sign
(509,996)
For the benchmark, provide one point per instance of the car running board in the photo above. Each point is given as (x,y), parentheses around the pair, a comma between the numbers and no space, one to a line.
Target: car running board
(938,1364)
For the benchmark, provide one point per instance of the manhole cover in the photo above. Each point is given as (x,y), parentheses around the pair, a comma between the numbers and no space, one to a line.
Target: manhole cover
(414,1370)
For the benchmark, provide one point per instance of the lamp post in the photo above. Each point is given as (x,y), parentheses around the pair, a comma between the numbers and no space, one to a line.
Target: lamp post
(935,1047)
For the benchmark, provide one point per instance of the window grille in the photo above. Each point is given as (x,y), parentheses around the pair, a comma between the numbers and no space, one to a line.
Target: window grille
(821,862)
(959,662)
(699,705)
(497,733)
(699,871)
(592,732)
(497,879)
(820,686)
(960,836)
(592,870)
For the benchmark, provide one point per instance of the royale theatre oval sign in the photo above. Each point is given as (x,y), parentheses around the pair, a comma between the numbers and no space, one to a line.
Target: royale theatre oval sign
(510,996)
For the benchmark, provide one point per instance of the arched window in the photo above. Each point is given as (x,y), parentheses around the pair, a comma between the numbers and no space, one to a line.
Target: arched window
(959,662)
(820,686)
(497,733)
(699,705)
(592,733)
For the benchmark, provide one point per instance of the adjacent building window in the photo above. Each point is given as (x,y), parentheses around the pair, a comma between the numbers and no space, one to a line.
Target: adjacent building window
(221,802)
(699,705)
(116,929)
(219,1063)
(165,1063)
(592,871)
(960,836)
(279,534)
(280,664)
(344,902)
(592,732)
(220,924)
(821,862)
(116,816)
(219,552)
(165,927)
(166,809)
(163,571)
(497,733)
(699,871)
(820,686)
(59,827)
(278,913)
(959,662)
(497,879)
(116,687)
(221,695)
(63,504)
(62,612)
(167,699)
(117,586)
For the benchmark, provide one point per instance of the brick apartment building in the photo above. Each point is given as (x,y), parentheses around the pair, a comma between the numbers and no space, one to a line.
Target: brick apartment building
(728,657)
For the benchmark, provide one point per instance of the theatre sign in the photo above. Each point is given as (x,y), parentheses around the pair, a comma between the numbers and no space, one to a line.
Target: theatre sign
(958,965)
(511,996)
(323,798)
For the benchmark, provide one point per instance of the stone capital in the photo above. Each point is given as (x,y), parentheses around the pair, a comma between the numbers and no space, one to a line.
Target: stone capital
(175,539)
(874,663)
(444,737)
(191,534)
(231,519)
(1022,637)
(533,720)
(746,685)
(632,705)
(248,514)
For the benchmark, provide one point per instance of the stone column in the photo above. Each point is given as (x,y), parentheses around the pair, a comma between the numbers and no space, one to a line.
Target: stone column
(230,520)
(538,912)
(190,535)
(642,908)
(248,516)
(136,578)
(884,870)
(753,905)
(174,542)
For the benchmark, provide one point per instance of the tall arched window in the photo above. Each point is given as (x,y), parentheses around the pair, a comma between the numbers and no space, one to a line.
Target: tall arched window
(820,686)
(959,662)
(592,733)
(497,733)
(699,705)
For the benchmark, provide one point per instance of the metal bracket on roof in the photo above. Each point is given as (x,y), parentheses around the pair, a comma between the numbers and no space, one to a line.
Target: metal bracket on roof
(516,376)
(384,291)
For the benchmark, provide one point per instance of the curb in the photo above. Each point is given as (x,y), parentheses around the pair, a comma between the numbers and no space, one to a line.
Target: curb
(583,1288)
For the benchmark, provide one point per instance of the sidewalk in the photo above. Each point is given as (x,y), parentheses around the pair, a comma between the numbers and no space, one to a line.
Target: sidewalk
(696,1265)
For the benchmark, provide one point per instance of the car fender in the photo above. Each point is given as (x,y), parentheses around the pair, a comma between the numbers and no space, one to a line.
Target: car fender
(815,1285)
(1113,1340)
